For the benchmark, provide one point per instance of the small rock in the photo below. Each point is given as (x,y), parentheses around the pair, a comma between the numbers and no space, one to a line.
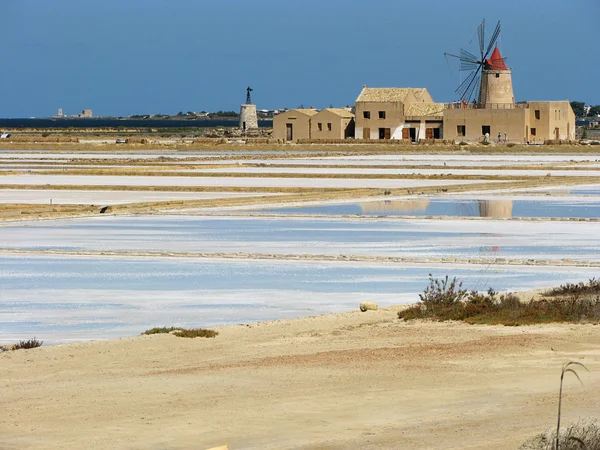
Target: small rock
(368,306)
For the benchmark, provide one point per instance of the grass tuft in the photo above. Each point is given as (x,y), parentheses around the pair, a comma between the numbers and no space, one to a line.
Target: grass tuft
(25,345)
(445,299)
(183,332)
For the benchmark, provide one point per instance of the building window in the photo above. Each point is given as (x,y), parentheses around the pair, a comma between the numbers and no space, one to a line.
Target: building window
(461,130)
(537,114)
(382,114)
(329,127)
(533,131)
(497,75)
(320,126)
(367,114)
(486,129)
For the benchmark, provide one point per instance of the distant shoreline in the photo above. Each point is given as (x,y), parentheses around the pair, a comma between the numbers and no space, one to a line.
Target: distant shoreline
(60,123)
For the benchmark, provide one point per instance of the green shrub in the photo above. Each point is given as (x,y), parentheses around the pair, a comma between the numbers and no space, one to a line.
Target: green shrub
(196,332)
(183,332)
(159,330)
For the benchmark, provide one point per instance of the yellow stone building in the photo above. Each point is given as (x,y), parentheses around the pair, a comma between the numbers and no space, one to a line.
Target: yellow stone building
(410,114)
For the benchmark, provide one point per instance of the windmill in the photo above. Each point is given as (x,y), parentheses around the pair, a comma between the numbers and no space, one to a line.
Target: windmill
(475,85)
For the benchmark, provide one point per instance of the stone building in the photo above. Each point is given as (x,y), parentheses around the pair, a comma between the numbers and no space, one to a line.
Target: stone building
(410,114)
(294,124)
(498,116)
(382,113)
(332,123)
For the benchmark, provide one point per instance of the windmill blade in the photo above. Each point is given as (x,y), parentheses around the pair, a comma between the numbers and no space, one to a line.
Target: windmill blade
(473,92)
(465,90)
(492,41)
(468,61)
(467,66)
(468,56)
(481,36)
(461,89)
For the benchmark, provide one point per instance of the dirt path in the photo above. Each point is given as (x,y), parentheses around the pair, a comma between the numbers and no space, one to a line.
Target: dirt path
(352,380)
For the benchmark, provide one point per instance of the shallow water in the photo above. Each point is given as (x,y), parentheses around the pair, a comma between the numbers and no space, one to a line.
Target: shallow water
(558,208)
(59,299)
(311,236)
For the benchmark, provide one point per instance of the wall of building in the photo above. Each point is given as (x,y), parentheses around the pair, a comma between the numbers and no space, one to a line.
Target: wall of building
(341,127)
(551,115)
(496,87)
(513,122)
(394,118)
(300,122)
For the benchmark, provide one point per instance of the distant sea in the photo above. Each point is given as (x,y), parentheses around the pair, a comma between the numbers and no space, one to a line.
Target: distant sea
(125,123)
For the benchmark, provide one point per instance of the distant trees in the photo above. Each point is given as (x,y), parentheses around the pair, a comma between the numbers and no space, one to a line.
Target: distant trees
(581,110)
(578,108)
(224,114)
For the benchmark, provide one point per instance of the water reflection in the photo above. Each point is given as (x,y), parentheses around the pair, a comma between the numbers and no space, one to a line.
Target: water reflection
(394,206)
(499,209)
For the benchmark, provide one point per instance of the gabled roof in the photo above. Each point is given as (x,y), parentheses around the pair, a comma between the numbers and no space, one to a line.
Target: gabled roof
(388,94)
(340,112)
(308,112)
(424,109)
(496,61)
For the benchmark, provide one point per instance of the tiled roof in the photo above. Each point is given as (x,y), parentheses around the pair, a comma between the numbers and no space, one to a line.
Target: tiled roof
(424,110)
(388,94)
(340,112)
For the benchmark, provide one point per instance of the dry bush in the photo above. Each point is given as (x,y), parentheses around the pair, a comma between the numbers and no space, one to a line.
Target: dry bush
(24,345)
(584,434)
(592,287)
(446,300)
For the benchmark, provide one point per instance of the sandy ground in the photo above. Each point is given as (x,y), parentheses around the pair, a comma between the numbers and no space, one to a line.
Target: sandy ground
(351,380)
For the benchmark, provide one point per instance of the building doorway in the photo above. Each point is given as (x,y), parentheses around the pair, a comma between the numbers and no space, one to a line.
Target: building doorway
(385,133)
(413,134)
(405,133)
(289,132)
(366,133)
(557,134)
(433,133)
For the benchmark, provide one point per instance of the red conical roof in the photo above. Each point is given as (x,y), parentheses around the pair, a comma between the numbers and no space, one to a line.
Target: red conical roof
(496,61)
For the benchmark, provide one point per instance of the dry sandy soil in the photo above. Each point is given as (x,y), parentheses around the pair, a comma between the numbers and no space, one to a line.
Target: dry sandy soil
(350,380)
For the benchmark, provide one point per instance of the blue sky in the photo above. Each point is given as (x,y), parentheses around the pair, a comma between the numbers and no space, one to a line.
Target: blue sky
(121,57)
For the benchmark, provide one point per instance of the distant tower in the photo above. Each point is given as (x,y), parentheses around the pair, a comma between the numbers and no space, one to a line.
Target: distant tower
(59,113)
(496,81)
(248,116)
